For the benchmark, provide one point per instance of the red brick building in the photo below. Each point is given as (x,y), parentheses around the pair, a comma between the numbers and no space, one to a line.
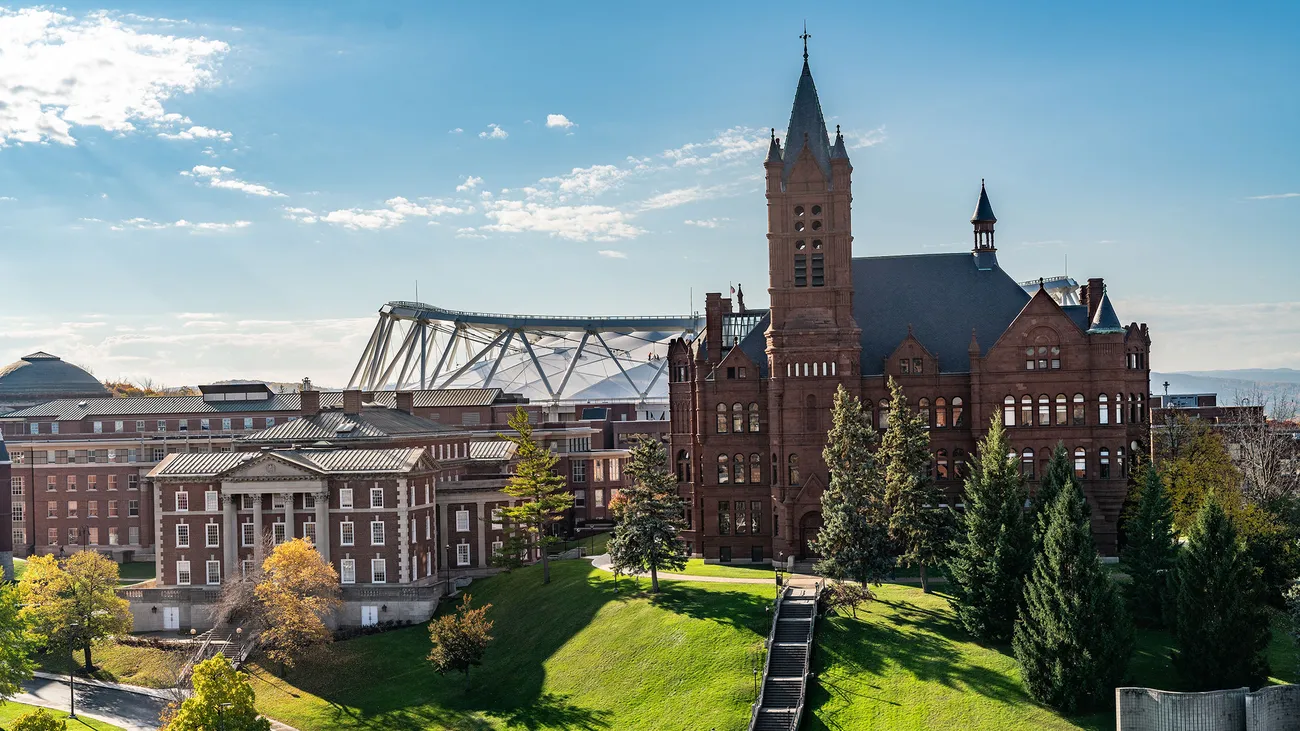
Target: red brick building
(750,399)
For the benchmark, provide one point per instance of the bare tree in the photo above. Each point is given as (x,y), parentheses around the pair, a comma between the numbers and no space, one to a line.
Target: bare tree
(1261,438)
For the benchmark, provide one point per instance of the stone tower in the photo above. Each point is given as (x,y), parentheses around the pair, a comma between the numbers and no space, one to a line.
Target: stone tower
(813,343)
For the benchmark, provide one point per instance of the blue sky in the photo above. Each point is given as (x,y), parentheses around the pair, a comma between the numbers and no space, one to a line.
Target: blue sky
(193,191)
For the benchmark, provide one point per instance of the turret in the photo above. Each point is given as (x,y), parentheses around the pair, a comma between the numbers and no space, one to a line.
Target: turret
(986,256)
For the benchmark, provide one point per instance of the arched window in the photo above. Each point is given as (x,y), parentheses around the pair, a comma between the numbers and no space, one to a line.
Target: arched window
(884,413)
(753,418)
(683,466)
(793,469)
(1026,410)
(1119,462)
(755,470)
(775,472)
(1142,408)
(959,463)
(1009,411)
(1103,409)
(1132,408)
(941,460)
(810,413)
(722,418)
(1080,463)
(924,410)
(737,419)
(723,475)
(738,468)
(789,370)
(1119,408)
(1062,409)
(940,413)
(1044,410)
(825,368)
(1078,416)
(1103,463)
(957,414)
(1027,463)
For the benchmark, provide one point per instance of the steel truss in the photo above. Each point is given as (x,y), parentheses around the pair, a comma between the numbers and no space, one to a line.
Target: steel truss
(548,359)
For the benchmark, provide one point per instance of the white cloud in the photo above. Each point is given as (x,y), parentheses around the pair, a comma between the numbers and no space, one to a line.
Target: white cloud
(61,72)
(145,224)
(301,215)
(1274,196)
(612,254)
(494,132)
(469,232)
(456,131)
(215,180)
(857,140)
(587,182)
(1245,335)
(5,198)
(470,183)
(706,223)
(737,144)
(559,120)
(198,133)
(399,209)
(576,223)
(682,196)
(197,315)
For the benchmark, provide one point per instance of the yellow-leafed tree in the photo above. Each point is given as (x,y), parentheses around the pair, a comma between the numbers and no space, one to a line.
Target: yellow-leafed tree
(298,590)
(72,603)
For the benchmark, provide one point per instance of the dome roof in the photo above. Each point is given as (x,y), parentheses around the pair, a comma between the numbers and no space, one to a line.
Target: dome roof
(47,376)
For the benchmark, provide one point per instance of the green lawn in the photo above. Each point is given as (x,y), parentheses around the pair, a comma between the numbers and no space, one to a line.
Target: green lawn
(697,567)
(20,566)
(10,711)
(906,663)
(146,666)
(136,571)
(571,655)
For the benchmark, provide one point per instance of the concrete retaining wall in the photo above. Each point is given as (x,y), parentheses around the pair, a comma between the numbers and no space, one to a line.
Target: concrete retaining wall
(1275,708)
(1146,709)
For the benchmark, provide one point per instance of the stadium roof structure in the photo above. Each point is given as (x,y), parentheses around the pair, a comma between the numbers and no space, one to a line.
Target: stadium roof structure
(548,359)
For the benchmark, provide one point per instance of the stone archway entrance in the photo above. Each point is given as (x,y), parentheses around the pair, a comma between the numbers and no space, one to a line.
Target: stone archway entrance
(809,524)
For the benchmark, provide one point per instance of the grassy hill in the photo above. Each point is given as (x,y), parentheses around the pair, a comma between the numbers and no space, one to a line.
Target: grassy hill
(571,655)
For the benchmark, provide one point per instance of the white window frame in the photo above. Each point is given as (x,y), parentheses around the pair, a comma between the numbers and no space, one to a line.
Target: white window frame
(379,526)
(347,533)
(345,498)
(496,518)
(277,501)
(309,530)
(462,521)
(462,554)
(308,501)
(380,576)
(246,567)
(211,501)
(182,501)
(183,576)
(182,529)
(213,571)
(376,497)
(246,534)
(279,532)
(348,571)
(212,535)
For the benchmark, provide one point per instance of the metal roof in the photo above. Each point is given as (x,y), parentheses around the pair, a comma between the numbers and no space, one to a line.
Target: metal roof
(324,461)
(42,374)
(492,450)
(983,209)
(73,409)
(336,426)
(438,398)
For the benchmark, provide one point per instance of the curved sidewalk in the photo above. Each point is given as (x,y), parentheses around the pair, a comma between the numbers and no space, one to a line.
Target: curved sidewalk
(602,562)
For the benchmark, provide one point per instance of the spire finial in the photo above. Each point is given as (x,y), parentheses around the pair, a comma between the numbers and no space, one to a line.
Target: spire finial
(805,38)
(774,134)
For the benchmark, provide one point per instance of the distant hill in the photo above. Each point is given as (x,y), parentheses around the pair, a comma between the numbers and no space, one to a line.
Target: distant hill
(1230,384)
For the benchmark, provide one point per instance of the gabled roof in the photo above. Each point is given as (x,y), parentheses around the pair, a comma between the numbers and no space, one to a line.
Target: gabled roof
(943,296)
(335,426)
(806,121)
(325,461)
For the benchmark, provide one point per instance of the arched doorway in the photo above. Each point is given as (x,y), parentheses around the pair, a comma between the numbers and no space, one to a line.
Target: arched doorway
(809,525)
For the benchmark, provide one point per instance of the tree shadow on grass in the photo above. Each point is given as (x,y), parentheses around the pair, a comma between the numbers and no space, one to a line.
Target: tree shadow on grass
(739,609)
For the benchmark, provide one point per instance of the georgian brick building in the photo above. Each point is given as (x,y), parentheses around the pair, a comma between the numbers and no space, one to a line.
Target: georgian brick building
(750,399)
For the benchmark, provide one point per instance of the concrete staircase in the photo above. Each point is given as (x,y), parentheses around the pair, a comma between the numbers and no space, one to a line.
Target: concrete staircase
(789,651)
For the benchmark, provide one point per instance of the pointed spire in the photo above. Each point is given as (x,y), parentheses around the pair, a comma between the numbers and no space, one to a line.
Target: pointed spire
(974,346)
(983,209)
(774,149)
(1105,320)
(807,125)
(838,151)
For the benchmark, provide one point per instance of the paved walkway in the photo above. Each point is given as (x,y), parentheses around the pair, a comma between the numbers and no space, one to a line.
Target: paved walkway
(102,702)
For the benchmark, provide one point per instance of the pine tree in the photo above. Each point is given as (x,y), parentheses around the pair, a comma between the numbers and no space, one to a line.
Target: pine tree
(1151,552)
(1058,477)
(919,529)
(854,537)
(994,547)
(1074,638)
(1222,624)
(650,517)
(542,491)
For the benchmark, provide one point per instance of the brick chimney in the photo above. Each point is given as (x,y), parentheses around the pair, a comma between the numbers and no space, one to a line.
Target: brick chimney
(352,401)
(1096,287)
(406,402)
(310,402)
(715,306)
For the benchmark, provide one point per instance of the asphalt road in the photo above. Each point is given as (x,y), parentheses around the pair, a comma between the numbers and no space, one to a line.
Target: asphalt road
(131,711)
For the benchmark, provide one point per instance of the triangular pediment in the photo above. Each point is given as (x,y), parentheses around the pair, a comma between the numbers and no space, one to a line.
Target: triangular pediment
(914,353)
(1040,313)
(274,466)
(811,490)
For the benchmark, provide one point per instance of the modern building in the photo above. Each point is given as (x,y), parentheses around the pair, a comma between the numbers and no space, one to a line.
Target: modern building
(750,399)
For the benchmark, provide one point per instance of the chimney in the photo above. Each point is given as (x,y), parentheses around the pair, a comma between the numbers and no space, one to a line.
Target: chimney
(352,401)
(310,402)
(1092,296)
(406,402)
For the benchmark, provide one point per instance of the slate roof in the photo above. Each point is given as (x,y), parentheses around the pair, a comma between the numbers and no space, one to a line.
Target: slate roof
(1105,320)
(324,461)
(983,209)
(42,374)
(4,451)
(492,450)
(335,426)
(806,120)
(942,296)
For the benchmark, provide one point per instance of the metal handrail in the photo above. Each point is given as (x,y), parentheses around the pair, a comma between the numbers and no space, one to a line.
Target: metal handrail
(767,661)
(807,657)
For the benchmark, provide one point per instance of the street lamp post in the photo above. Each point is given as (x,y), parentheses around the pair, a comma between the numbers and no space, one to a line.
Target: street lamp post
(779,565)
(72,676)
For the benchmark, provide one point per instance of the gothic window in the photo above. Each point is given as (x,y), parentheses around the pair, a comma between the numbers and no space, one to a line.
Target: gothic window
(1078,416)
(737,419)
(800,270)
(959,462)
(738,468)
(940,413)
(753,418)
(1027,463)
(724,517)
(1103,409)
(1062,409)
(1142,412)
(683,466)
(957,420)
(884,413)
(942,460)
(924,411)
(1103,459)
(722,418)
(1044,410)
(810,413)
(1026,410)
(793,467)
(1119,408)
(723,476)
(1119,462)
(1009,411)
(741,522)
(755,470)
(818,266)
(918,366)
(1080,463)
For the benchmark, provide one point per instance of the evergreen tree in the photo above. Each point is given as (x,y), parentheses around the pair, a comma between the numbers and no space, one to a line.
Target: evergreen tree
(854,537)
(919,529)
(994,547)
(1074,639)
(542,491)
(1222,624)
(1151,552)
(1059,476)
(650,516)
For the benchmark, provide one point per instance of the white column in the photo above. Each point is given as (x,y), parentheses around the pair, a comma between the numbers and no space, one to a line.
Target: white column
(323,525)
(288,515)
(257,529)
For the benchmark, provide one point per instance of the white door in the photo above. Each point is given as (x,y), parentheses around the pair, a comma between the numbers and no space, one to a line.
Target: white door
(369,616)
(171,617)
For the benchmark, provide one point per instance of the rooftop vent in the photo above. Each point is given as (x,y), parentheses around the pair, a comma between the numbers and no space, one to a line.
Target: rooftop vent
(82,404)
(345,428)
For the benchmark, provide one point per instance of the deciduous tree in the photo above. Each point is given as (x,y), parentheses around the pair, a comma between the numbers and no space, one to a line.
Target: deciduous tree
(297,591)
(854,538)
(223,699)
(993,551)
(1151,552)
(919,528)
(650,515)
(38,720)
(15,644)
(1074,639)
(73,604)
(460,639)
(542,492)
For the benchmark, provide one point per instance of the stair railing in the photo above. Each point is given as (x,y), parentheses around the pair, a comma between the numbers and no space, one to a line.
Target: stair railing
(767,661)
